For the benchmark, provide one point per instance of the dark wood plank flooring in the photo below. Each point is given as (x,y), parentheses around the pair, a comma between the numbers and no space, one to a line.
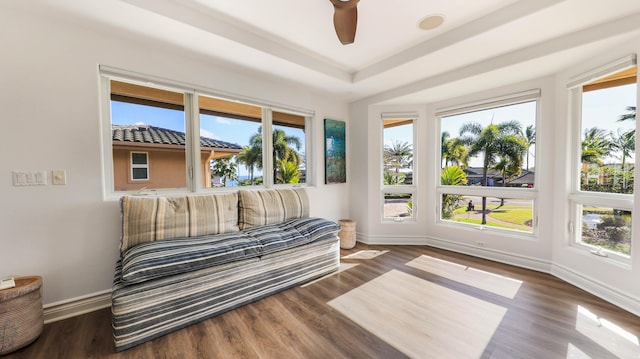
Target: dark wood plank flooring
(540,321)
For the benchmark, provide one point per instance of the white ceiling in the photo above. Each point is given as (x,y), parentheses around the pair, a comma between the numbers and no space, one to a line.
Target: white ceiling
(392,60)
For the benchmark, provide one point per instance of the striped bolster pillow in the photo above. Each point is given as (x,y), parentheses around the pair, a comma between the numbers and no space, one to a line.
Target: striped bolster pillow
(264,207)
(148,219)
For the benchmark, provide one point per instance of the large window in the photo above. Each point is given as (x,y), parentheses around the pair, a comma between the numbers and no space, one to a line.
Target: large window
(289,148)
(159,137)
(488,164)
(147,128)
(604,110)
(398,189)
(236,129)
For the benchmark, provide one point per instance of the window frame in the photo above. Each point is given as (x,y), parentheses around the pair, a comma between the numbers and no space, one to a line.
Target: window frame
(400,189)
(192,131)
(577,197)
(514,98)
(146,166)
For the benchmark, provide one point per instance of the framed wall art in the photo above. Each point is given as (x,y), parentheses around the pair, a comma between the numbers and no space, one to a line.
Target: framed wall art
(335,164)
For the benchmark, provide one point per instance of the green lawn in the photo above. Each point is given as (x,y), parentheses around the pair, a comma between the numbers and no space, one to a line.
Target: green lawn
(517,215)
(513,214)
(478,221)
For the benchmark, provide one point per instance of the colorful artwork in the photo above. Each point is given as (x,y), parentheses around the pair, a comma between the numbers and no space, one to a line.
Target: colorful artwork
(335,166)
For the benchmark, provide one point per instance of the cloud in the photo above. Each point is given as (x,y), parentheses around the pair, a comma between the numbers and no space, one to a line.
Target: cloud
(223,121)
(208,134)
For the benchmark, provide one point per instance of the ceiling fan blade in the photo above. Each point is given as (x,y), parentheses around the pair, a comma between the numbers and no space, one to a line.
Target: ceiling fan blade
(345,20)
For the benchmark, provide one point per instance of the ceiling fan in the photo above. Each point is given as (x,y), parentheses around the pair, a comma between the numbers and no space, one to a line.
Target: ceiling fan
(345,19)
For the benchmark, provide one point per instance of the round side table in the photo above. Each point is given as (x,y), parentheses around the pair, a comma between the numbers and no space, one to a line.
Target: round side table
(21,316)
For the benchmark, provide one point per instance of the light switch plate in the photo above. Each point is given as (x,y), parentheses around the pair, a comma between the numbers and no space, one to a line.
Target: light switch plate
(59,177)
(30,178)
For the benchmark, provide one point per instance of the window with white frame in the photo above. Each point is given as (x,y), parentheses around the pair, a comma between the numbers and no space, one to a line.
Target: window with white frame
(398,189)
(139,166)
(603,110)
(487,158)
(197,140)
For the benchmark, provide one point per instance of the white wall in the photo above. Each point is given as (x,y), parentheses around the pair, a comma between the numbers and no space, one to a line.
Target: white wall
(619,283)
(548,250)
(49,96)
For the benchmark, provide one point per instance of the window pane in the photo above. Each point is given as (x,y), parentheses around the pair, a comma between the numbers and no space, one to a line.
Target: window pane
(398,152)
(507,213)
(606,227)
(139,158)
(398,205)
(494,147)
(230,143)
(289,160)
(139,173)
(148,120)
(607,153)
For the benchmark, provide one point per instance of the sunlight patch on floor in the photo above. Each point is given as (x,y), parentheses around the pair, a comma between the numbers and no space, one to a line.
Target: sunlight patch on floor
(494,283)
(574,353)
(420,318)
(606,334)
(365,254)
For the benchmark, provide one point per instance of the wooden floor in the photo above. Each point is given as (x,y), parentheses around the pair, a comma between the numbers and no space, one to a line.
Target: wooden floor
(510,313)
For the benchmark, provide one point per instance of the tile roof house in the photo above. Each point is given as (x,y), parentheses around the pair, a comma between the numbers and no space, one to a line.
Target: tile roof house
(153,157)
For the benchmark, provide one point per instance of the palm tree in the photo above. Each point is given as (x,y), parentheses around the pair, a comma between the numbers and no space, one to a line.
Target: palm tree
(595,146)
(251,157)
(444,143)
(396,156)
(287,172)
(625,143)
(454,152)
(492,142)
(283,152)
(530,136)
(630,115)
(225,169)
(451,176)
(281,148)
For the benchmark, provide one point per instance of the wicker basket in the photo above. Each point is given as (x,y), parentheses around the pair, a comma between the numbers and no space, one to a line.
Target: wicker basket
(21,317)
(347,233)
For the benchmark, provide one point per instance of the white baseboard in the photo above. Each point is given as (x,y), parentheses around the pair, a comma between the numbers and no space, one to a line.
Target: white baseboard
(76,306)
(485,253)
(517,260)
(597,288)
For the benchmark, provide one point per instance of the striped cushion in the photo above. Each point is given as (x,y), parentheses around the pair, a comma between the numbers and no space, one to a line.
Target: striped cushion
(180,255)
(292,233)
(138,220)
(213,214)
(271,206)
(148,219)
(172,256)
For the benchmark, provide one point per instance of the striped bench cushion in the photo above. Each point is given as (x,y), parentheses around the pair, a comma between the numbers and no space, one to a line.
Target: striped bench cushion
(291,233)
(143,311)
(172,256)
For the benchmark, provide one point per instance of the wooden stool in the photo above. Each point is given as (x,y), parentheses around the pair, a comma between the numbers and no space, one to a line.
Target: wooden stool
(21,317)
